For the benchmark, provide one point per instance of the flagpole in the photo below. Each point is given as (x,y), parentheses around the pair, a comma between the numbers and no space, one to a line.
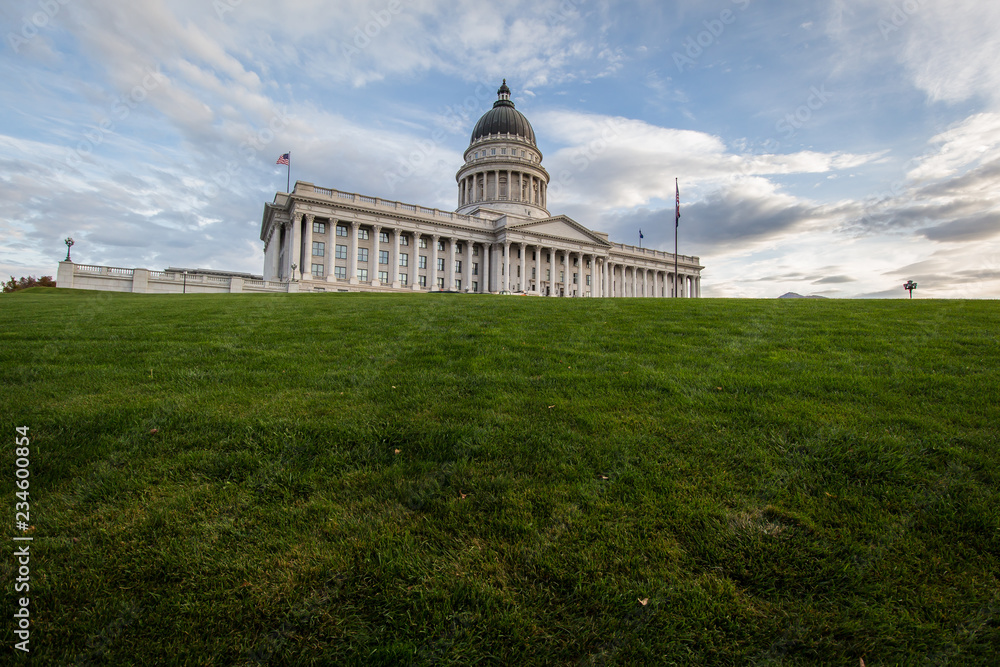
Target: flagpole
(288,184)
(677,223)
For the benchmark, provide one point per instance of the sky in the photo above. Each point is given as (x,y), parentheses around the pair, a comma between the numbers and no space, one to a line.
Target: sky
(834,147)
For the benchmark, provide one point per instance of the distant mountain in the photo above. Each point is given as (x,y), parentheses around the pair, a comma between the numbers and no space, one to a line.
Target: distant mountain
(793,295)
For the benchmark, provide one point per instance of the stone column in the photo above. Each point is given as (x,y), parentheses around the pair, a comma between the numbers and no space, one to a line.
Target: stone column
(484,270)
(505,267)
(524,268)
(635,281)
(397,235)
(580,287)
(308,250)
(373,263)
(432,265)
(352,254)
(567,263)
(330,245)
(538,269)
(449,264)
(295,257)
(467,268)
(698,287)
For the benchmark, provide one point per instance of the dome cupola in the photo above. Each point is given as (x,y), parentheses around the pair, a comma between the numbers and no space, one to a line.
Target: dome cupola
(503,167)
(503,119)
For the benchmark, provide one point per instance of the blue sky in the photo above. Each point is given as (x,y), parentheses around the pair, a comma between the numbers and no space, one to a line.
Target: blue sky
(838,148)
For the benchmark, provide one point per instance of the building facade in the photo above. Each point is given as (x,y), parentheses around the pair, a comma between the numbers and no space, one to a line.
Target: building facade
(501,238)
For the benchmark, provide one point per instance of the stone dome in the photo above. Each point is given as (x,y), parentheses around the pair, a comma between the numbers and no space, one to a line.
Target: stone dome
(504,119)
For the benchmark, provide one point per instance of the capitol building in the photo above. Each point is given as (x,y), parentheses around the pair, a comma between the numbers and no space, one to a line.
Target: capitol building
(501,238)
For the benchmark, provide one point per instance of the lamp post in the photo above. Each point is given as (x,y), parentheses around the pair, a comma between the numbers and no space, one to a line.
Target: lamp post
(294,266)
(910,286)
(69,244)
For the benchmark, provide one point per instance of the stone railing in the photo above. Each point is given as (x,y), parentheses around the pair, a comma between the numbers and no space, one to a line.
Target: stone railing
(144,281)
(653,253)
(303,188)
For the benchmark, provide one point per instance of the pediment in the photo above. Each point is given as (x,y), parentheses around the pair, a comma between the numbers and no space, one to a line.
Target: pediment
(560,226)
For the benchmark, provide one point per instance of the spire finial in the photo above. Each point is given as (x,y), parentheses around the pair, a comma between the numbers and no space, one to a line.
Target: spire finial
(504,93)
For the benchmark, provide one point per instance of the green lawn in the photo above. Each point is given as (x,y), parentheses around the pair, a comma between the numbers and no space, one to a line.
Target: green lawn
(450,479)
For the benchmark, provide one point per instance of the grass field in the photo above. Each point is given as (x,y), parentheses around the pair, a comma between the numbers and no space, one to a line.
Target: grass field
(449,479)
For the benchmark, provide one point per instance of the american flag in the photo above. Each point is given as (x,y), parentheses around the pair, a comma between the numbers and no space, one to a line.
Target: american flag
(677,218)
(283,159)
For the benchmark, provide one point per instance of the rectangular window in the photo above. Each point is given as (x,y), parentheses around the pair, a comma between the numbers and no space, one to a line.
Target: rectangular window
(404,259)
(319,228)
(422,280)
(519,272)
(340,272)
(440,263)
(458,248)
(319,249)
(383,237)
(532,273)
(383,256)
(475,269)
(475,251)
(440,246)
(588,281)
(340,252)
(422,243)
(422,262)
(363,234)
(503,151)
(458,266)
(475,287)
(548,274)
(404,240)
(575,281)
(440,283)
(403,280)
(363,275)
(341,230)
(458,284)
(362,254)
(317,270)
(562,276)
(383,277)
